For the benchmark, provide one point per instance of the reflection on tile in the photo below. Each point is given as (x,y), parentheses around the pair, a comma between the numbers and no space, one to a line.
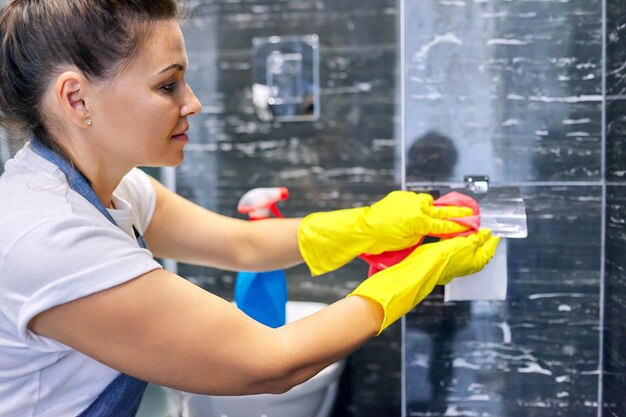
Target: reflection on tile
(515,87)
(535,354)
(615,303)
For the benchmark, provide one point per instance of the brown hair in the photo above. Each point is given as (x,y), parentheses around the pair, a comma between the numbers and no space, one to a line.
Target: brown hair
(37,37)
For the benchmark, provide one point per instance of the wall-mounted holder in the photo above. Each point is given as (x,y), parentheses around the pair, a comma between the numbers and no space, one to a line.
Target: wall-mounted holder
(477,183)
(286,78)
(503,211)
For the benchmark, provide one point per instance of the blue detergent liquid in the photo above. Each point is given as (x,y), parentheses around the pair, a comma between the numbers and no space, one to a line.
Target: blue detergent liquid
(262,296)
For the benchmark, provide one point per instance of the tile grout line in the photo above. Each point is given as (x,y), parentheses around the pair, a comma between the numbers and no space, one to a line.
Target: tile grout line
(603,216)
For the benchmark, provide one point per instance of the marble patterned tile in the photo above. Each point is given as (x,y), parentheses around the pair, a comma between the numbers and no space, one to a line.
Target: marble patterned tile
(616,141)
(513,88)
(355,22)
(614,380)
(535,354)
(615,51)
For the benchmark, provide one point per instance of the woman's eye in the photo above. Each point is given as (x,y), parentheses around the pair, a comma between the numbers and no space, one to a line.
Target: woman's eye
(169,87)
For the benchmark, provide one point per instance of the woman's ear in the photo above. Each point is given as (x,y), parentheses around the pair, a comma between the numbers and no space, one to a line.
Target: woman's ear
(70,94)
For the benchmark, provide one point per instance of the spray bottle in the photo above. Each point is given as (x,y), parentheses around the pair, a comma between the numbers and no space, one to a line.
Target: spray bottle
(262,295)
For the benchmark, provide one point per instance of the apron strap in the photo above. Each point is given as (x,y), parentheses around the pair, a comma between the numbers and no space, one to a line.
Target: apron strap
(121,398)
(78,182)
(75,178)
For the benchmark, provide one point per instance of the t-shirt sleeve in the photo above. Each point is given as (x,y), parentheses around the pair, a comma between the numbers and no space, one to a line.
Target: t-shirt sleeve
(137,189)
(63,259)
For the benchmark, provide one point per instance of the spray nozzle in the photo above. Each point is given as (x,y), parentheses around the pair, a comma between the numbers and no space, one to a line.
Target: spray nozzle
(258,203)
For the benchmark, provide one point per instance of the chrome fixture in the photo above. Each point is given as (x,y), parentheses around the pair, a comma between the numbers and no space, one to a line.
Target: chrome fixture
(477,184)
(286,78)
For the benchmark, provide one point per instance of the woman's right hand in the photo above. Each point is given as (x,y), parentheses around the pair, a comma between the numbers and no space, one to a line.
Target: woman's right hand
(328,240)
(464,256)
(401,287)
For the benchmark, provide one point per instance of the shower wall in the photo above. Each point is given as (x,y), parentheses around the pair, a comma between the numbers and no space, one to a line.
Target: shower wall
(521,91)
(347,158)
(614,352)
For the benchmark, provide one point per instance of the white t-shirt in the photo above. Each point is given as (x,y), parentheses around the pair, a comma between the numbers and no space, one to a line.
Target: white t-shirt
(56,247)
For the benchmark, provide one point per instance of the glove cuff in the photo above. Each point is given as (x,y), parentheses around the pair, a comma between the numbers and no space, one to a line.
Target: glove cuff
(329,240)
(401,287)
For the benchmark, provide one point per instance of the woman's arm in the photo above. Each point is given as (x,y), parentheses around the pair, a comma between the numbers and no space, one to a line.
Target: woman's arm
(163,329)
(186,232)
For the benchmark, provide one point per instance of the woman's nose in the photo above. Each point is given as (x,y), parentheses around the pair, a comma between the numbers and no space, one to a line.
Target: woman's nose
(191,105)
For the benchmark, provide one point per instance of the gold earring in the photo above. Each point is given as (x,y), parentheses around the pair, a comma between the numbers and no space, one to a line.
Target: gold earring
(88,122)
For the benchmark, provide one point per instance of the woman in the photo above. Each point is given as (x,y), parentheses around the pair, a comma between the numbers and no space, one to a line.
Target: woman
(88,316)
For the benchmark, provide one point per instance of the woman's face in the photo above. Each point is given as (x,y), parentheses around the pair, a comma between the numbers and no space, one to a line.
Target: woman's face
(140,117)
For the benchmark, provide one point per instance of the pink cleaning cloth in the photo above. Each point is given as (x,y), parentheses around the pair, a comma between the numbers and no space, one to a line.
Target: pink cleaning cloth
(461,200)
(387,259)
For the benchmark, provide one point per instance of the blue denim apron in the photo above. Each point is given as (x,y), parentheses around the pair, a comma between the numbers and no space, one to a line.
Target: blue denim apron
(121,397)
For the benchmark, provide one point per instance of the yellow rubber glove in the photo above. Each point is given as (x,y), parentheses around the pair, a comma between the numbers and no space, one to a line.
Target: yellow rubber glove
(401,287)
(328,240)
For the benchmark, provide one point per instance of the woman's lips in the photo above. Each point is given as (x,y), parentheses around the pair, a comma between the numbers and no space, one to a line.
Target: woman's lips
(182,137)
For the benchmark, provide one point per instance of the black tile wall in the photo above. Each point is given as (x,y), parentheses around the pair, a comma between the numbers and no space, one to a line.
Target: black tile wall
(615,51)
(615,305)
(534,354)
(346,158)
(616,140)
(614,379)
(514,90)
